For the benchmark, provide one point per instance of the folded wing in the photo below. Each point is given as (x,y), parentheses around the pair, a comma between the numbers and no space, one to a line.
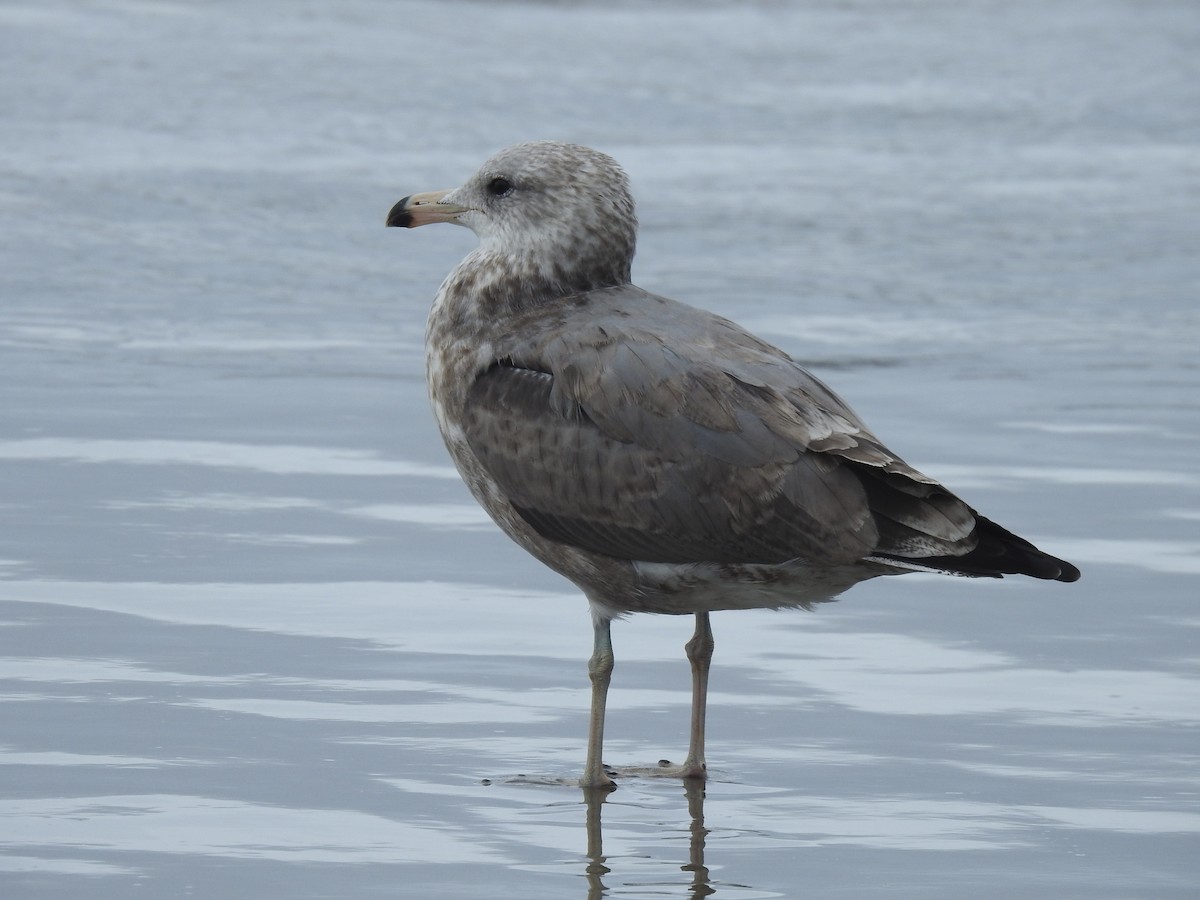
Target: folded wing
(712,447)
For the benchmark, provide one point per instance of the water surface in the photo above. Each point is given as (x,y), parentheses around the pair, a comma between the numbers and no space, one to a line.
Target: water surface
(259,642)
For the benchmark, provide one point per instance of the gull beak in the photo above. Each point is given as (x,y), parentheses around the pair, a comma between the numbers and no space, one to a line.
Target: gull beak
(421,209)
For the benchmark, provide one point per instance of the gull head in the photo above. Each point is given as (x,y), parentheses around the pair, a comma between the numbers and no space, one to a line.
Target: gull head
(561,208)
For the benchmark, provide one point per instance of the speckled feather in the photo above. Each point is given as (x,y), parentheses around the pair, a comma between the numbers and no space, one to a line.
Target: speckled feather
(658,455)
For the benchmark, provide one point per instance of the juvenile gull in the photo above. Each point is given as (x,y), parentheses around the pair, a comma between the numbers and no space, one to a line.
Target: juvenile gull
(660,457)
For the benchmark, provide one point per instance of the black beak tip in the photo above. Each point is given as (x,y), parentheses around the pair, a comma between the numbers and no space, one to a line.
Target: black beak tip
(398,216)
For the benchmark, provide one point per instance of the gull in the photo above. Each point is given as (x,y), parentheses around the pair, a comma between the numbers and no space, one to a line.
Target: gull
(659,456)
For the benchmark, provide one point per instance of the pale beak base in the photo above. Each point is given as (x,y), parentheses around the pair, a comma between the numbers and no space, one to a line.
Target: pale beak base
(422,209)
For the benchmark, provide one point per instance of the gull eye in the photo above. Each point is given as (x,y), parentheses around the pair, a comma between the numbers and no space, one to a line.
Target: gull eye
(498,187)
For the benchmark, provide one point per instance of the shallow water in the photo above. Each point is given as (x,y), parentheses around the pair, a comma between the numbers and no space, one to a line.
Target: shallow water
(259,641)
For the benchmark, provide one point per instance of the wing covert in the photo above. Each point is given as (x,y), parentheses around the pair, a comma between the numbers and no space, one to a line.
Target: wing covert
(682,492)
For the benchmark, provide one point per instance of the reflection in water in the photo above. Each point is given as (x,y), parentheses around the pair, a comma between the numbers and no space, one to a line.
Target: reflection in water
(597,868)
(594,799)
(695,797)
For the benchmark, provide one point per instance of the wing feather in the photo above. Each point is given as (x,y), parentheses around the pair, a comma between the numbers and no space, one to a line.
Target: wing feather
(714,448)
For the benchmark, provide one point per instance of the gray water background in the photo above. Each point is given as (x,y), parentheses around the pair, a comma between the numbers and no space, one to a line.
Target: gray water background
(258,641)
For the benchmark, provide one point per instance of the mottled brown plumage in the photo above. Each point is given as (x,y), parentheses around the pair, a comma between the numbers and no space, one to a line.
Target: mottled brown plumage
(659,456)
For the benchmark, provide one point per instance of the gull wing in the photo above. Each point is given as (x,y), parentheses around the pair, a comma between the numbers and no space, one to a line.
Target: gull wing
(636,427)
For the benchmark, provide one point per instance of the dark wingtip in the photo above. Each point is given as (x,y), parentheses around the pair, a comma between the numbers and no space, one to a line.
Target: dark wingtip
(1067,572)
(398,216)
(999,552)
(1037,564)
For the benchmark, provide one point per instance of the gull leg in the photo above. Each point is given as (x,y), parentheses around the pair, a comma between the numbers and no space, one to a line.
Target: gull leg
(699,653)
(600,668)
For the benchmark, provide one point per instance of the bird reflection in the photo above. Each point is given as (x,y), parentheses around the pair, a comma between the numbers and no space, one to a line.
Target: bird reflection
(595,798)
